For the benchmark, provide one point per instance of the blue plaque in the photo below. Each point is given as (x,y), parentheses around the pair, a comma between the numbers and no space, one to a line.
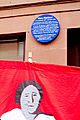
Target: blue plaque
(45,28)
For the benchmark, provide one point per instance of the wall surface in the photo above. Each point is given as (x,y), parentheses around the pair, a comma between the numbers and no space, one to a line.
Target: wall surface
(17,20)
(18,2)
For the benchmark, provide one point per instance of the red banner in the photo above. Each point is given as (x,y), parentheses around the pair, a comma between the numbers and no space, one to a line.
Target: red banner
(60,86)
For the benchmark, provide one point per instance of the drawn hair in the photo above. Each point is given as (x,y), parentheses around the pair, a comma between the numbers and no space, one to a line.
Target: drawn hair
(23,85)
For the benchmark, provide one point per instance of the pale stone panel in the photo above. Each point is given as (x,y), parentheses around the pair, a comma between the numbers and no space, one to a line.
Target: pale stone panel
(5,2)
(57,56)
(70,19)
(13,25)
(40,10)
(17,2)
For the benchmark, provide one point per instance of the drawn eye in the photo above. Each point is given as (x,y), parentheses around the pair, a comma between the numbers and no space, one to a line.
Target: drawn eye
(34,94)
(26,95)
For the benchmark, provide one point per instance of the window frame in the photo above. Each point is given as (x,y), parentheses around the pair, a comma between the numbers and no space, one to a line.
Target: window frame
(14,37)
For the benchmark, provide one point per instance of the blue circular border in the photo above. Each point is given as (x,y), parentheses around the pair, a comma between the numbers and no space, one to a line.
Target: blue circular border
(45,28)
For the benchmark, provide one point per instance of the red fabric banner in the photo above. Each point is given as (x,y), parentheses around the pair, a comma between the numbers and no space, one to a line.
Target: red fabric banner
(60,84)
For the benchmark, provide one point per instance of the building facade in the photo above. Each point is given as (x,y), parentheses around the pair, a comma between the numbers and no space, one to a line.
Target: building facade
(17,42)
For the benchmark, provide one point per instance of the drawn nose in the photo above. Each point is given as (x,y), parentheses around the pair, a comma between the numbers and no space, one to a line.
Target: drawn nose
(31,99)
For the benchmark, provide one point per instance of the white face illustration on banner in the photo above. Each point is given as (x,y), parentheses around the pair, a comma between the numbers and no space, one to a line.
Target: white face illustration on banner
(30,98)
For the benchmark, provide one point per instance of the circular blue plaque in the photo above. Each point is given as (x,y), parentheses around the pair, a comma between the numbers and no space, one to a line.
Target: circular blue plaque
(45,28)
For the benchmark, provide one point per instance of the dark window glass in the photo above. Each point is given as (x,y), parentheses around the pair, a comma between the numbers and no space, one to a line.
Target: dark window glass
(73,47)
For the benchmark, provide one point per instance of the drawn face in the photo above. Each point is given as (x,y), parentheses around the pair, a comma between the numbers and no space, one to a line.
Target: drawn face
(30,98)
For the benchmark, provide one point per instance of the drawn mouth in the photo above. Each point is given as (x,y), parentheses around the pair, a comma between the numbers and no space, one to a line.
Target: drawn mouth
(31,106)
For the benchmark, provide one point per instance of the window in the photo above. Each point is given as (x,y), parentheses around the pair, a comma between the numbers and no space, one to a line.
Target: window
(73,47)
(12,46)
